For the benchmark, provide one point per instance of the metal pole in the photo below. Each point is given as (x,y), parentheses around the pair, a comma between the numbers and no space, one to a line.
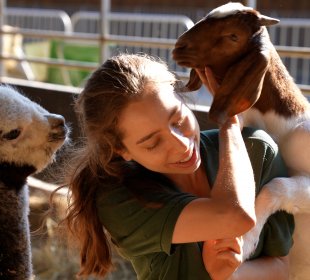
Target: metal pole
(2,14)
(251,3)
(105,28)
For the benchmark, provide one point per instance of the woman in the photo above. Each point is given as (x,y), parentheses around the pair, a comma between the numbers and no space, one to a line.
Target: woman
(173,200)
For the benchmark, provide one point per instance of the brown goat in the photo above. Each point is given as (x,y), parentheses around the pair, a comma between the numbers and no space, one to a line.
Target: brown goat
(237,49)
(233,42)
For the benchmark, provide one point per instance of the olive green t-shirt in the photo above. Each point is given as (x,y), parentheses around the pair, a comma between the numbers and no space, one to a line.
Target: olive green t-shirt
(142,232)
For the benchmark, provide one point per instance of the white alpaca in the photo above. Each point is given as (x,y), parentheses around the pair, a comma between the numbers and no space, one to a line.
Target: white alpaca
(29,138)
(233,41)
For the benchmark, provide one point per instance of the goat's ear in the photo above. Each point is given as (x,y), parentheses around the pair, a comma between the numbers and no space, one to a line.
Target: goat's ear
(241,86)
(194,82)
(266,21)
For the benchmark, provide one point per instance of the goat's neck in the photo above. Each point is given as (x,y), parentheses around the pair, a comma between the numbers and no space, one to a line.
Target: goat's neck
(280,94)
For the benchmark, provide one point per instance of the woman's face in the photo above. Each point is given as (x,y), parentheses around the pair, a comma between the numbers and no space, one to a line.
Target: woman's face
(160,132)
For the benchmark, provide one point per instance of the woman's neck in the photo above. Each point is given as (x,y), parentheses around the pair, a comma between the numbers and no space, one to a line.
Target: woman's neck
(195,183)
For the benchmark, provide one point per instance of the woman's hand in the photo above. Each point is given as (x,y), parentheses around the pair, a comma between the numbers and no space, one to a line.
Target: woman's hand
(209,81)
(222,257)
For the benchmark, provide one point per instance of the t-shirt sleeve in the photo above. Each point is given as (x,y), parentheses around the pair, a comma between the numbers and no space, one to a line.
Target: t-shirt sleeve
(276,237)
(139,229)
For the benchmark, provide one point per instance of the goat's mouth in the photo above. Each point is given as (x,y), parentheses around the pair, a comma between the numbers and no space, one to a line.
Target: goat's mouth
(186,59)
(185,63)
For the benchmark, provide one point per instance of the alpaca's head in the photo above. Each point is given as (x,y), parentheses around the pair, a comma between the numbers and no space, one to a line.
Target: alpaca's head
(29,135)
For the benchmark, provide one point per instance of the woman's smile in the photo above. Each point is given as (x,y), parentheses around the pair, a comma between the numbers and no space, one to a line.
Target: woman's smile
(190,160)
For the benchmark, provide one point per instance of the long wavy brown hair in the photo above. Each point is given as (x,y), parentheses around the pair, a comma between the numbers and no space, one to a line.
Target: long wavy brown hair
(120,80)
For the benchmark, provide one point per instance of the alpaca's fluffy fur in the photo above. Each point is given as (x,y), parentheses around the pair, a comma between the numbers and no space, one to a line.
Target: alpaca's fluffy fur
(29,138)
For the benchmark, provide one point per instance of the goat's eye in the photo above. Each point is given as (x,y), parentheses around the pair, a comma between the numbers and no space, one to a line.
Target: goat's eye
(233,37)
(13,134)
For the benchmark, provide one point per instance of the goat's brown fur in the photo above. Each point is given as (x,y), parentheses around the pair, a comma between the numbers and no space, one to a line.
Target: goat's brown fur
(250,72)
(234,43)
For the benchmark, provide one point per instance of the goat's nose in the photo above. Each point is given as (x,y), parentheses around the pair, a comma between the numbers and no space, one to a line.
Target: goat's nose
(55,120)
(180,44)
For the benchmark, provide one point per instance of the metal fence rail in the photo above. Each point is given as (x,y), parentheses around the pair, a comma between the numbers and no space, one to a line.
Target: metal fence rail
(145,27)
(147,33)
(292,36)
(39,19)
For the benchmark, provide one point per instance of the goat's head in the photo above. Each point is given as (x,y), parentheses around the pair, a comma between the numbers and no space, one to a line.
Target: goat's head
(219,41)
(29,134)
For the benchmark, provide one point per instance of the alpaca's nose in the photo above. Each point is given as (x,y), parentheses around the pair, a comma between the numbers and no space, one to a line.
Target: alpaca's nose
(55,121)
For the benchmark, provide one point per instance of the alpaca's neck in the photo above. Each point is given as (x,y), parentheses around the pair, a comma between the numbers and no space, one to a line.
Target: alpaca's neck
(14,176)
(279,93)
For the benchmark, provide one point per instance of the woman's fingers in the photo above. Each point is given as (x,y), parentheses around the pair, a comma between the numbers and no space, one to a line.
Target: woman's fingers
(207,78)
(221,257)
(229,250)
(231,244)
(231,257)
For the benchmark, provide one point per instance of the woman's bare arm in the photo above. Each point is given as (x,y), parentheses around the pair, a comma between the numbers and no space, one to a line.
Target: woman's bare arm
(229,212)
(223,261)
(267,268)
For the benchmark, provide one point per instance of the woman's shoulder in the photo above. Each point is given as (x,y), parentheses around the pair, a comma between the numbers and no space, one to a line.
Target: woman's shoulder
(137,183)
(255,136)
(260,136)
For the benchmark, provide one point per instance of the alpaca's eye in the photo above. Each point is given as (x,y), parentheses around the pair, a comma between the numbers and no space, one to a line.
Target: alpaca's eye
(13,134)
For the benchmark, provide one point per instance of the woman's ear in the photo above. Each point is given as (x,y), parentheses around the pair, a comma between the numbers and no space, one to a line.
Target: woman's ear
(124,154)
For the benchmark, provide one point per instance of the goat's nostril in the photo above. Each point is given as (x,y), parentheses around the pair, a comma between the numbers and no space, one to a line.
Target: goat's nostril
(180,45)
(55,120)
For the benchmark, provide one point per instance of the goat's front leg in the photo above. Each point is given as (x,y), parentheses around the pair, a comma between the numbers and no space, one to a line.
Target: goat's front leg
(289,194)
(241,86)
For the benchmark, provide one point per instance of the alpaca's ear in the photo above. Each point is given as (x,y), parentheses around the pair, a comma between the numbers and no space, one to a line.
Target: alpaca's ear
(194,82)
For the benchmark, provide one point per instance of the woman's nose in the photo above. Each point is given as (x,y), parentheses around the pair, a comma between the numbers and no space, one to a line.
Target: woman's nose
(179,142)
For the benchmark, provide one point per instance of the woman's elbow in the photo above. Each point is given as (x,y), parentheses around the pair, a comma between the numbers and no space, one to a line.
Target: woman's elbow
(249,221)
(242,221)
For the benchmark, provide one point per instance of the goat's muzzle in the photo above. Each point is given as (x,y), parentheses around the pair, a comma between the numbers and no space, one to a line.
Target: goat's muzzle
(182,55)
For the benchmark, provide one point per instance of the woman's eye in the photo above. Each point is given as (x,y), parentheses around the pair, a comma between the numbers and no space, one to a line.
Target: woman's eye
(152,147)
(13,134)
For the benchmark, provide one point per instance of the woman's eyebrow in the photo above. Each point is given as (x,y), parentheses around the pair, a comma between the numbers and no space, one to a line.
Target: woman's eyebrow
(147,137)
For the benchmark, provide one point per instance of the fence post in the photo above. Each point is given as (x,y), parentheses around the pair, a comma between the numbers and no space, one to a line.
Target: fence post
(251,3)
(104,28)
(2,20)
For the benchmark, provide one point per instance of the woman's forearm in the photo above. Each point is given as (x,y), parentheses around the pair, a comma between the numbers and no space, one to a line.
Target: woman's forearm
(234,185)
(267,268)
(230,208)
